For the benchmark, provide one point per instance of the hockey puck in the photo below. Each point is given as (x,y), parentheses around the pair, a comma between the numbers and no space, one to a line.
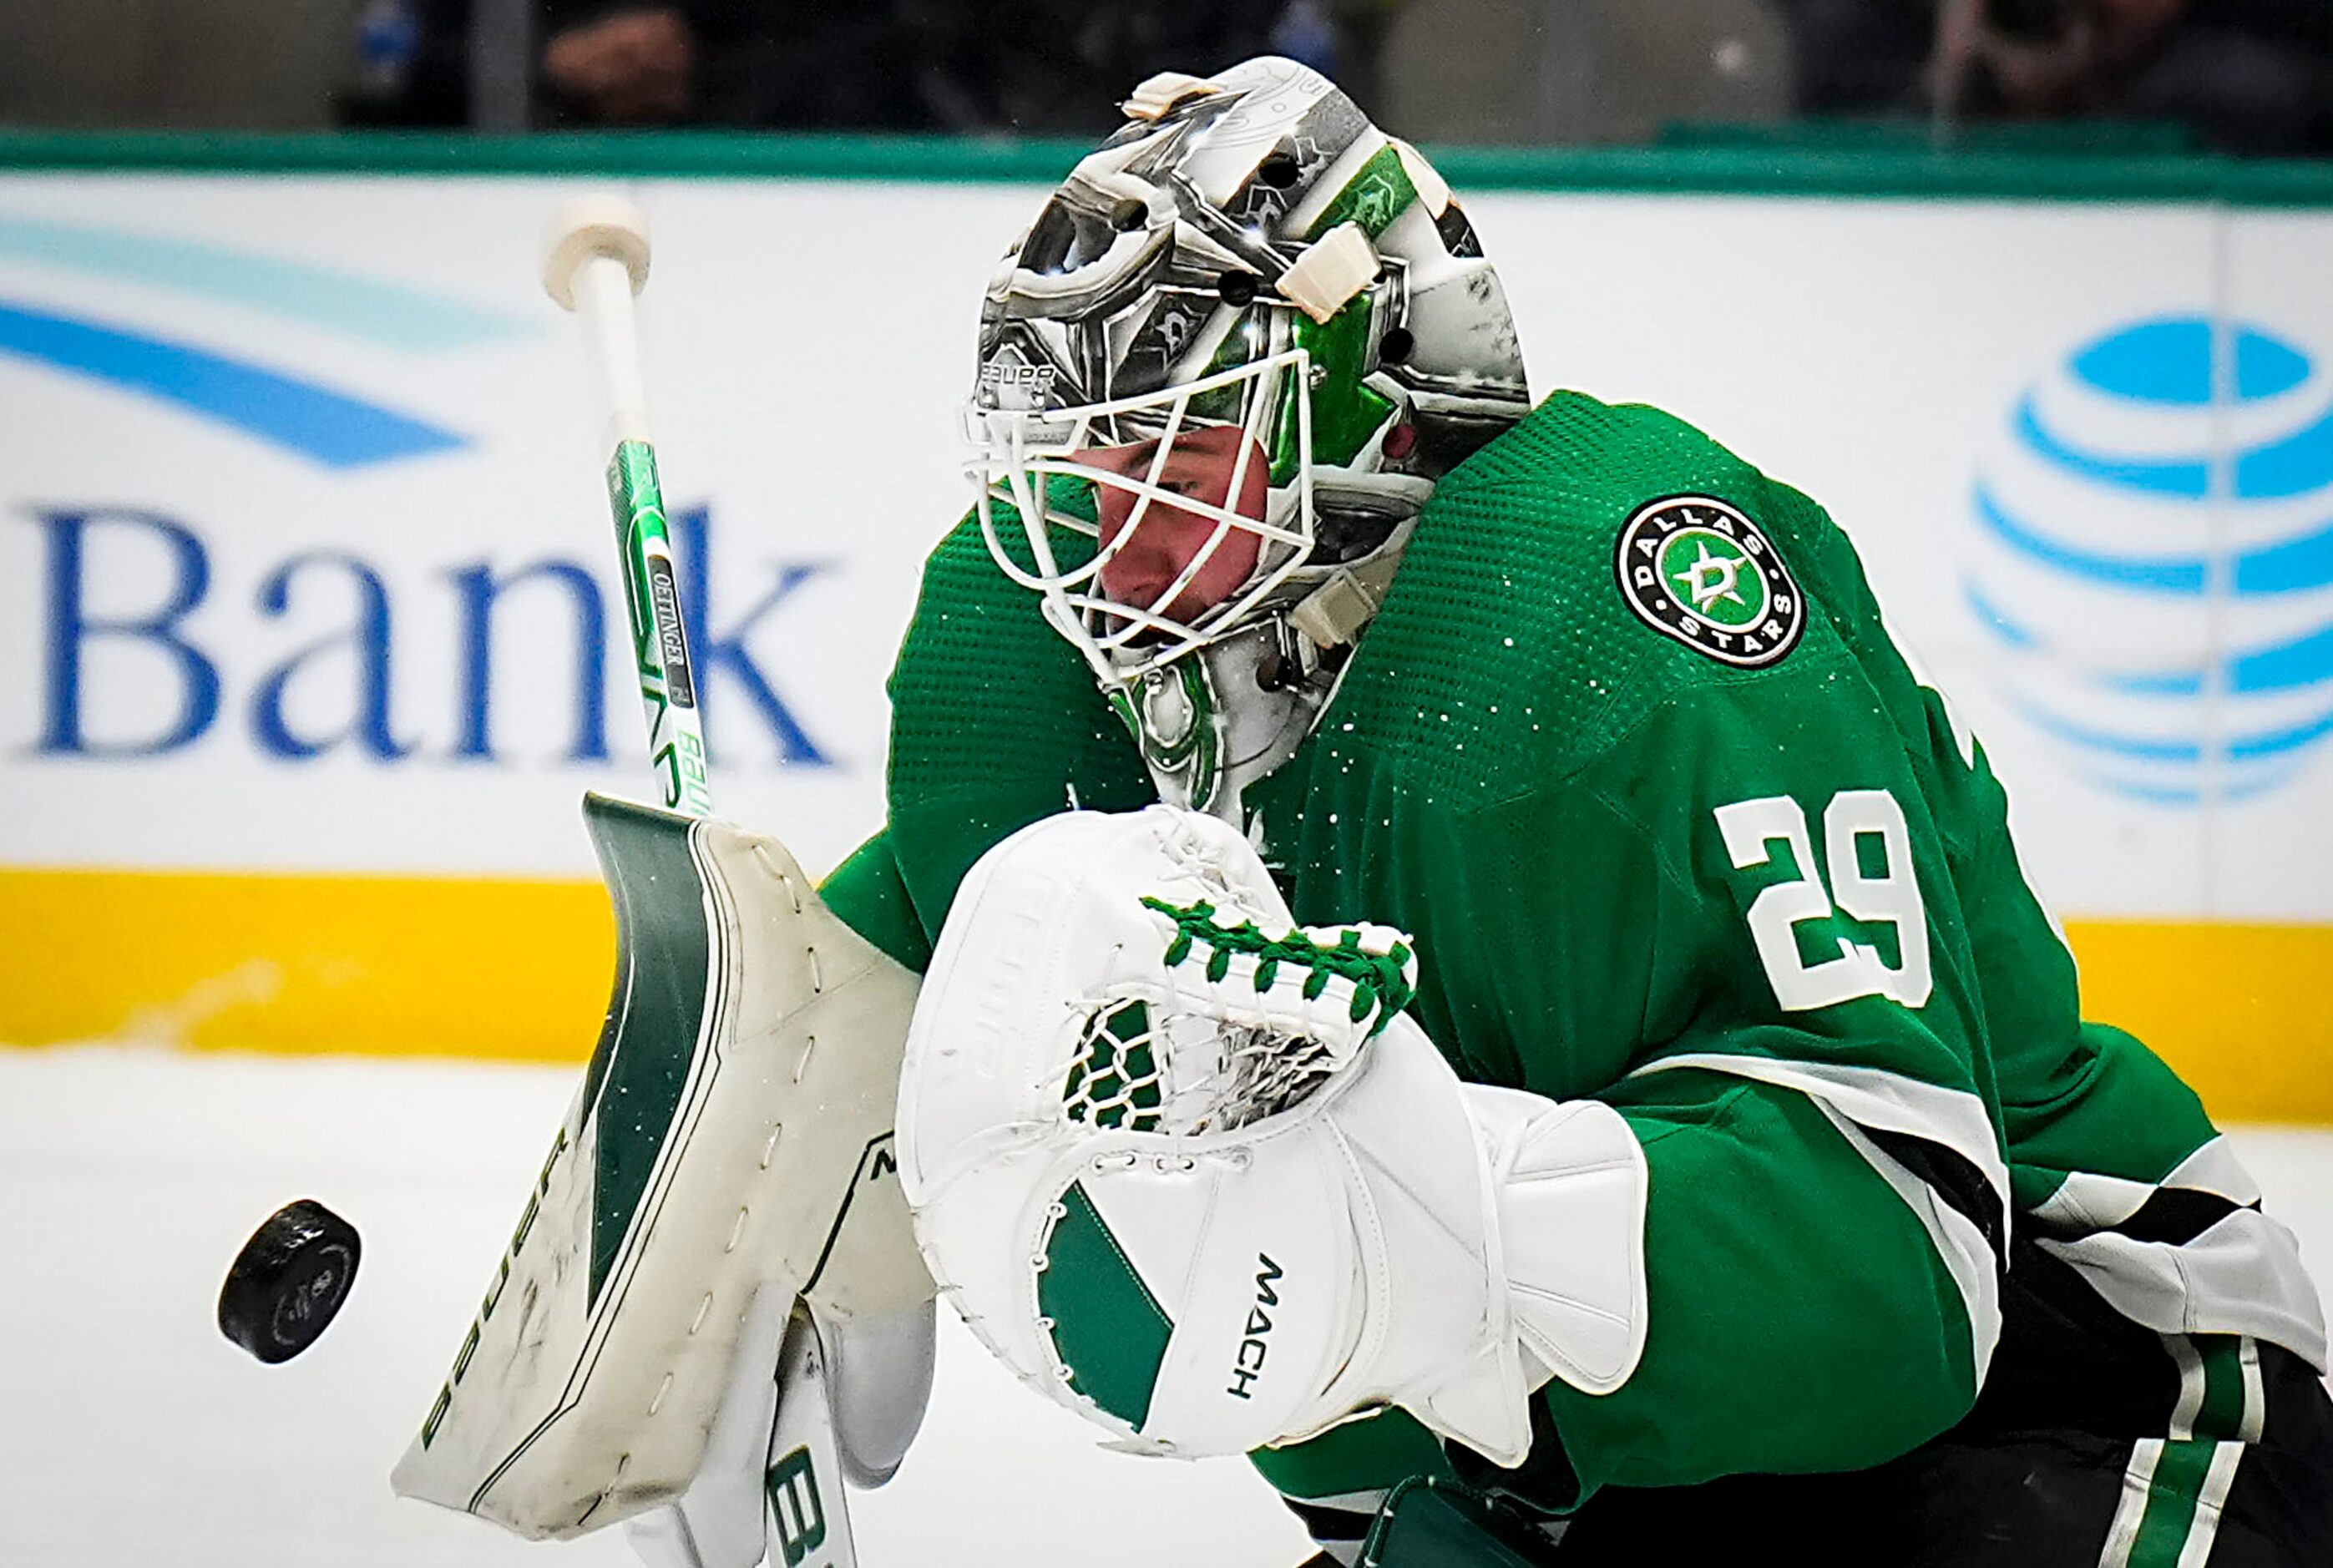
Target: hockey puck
(288,1281)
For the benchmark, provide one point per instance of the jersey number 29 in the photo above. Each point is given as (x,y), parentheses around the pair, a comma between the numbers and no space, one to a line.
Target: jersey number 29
(1891,898)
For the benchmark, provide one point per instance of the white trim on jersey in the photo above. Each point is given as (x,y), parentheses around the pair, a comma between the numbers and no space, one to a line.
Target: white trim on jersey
(1855,1099)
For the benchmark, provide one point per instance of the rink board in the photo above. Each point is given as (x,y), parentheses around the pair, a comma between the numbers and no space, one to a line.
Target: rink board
(306,559)
(398,966)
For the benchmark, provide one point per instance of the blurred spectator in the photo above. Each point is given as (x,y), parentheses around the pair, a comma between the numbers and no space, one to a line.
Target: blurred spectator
(2245,76)
(1044,67)
(411,64)
(1861,57)
(736,63)
(1049,67)
(631,66)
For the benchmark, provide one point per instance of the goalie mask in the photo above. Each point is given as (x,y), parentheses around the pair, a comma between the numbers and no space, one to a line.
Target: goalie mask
(1185,1166)
(1218,378)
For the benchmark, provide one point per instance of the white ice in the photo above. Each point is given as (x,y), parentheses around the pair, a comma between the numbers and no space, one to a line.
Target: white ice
(131,1434)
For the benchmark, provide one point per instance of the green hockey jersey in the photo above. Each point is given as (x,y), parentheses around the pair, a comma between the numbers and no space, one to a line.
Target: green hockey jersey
(1630,752)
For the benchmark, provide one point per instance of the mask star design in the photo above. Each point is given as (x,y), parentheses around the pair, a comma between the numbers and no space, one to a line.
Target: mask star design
(1373,207)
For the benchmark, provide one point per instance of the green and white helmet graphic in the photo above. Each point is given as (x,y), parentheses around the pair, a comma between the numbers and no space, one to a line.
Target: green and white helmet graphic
(1247,255)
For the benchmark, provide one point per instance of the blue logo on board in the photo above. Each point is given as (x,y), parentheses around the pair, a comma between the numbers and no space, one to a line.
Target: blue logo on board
(140,673)
(292,412)
(2156,558)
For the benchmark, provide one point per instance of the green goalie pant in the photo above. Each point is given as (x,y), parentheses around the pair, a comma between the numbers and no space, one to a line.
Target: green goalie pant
(2057,1499)
(2243,1480)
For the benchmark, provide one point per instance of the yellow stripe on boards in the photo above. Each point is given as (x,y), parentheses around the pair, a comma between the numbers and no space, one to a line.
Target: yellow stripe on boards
(389,965)
(511,969)
(2237,1010)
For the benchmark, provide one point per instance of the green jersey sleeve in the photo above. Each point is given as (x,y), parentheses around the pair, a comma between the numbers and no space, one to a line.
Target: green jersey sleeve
(2134,1216)
(995,723)
(867,894)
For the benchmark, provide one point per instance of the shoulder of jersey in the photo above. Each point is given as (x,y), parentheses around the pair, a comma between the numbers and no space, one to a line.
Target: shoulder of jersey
(963,593)
(1588,562)
(1635,523)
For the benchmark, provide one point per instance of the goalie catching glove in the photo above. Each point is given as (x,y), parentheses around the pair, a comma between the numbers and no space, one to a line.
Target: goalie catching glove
(1188,1168)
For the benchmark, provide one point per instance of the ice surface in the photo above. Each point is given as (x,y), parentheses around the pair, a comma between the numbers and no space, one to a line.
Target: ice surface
(131,1434)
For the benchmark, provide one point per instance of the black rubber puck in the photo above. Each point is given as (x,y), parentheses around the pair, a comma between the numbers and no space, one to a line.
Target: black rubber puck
(288,1281)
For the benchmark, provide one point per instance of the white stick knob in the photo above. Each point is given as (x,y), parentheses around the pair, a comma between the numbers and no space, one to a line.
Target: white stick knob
(595,261)
(590,226)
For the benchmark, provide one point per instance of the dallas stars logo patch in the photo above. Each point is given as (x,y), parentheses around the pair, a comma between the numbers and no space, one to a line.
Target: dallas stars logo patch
(1701,571)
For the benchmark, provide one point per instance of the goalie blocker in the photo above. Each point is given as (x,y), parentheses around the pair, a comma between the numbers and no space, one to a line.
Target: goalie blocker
(730,1144)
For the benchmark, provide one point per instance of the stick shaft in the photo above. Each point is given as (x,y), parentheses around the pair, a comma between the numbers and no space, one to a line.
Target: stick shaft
(611,349)
(659,635)
(667,678)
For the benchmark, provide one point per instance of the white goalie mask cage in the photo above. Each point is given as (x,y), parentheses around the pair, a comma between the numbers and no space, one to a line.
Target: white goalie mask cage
(1248,252)
(1024,454)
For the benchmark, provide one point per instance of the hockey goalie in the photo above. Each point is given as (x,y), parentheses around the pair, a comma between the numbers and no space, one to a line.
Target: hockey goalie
(1572,1072)
(1459,960)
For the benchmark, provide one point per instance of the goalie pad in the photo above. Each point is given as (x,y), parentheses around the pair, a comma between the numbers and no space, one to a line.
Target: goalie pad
(730,1141)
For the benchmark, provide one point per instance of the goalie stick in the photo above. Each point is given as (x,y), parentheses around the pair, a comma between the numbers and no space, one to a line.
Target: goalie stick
(596,268)
(597,263)
(663,1339)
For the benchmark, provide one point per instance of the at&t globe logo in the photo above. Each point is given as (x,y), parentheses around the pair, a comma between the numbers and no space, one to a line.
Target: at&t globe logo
(2154,555)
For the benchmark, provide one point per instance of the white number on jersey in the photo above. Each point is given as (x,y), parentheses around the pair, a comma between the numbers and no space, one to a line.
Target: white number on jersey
(1891,898)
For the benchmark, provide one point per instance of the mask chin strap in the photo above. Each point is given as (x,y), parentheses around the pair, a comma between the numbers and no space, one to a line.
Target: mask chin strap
(1214,721)
(1207,725)
(1172,714)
